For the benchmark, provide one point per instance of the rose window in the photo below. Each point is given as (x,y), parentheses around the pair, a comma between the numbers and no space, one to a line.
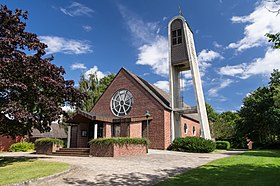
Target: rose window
(122,102)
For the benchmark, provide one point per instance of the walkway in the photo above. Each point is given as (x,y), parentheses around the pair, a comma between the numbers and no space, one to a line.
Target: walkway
(138,170)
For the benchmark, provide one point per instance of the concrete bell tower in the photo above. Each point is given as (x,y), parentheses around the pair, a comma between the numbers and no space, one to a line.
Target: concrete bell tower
(182,57)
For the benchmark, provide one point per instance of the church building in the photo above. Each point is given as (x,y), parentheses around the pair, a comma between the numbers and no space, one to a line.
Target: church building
(131,107)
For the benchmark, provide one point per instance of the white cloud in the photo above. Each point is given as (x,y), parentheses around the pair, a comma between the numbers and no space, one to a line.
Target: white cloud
(66,46)
(259,22)
(152,47)
(213,92)
(232,70)
(206,56)
(94,70)
(76,66)
(155,55)
(259,66)
(142,32)
(164,85)
(77,9)
(217,45)
(87,28)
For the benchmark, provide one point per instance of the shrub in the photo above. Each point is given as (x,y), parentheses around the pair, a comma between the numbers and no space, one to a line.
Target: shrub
(119,141)
(193,144)
(48,141)
(222,145)
(21,147)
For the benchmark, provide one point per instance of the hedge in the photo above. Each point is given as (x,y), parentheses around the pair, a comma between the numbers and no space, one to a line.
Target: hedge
(119,141)
(193,144)
(48,141)
(21,147)
(222,145)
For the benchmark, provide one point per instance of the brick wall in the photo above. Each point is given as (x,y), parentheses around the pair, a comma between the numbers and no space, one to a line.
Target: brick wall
(143,101)
(190,124)
(135,130)
(117,150)
(167,129)
(6,142)
(107,130)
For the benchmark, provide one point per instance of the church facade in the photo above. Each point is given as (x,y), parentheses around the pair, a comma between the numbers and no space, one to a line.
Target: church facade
(122,112)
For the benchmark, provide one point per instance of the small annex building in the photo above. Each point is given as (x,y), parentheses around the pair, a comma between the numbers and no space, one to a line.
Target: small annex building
(120,112)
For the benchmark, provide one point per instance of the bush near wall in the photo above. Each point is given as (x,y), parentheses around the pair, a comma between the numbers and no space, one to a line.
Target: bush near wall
(193,144)
(21,147)
(222,145)
(48,141)
(119,141)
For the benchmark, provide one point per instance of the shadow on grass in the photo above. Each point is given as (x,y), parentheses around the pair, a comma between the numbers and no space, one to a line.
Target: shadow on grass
(241,174)
(5,161)
(264,153)
(134,178)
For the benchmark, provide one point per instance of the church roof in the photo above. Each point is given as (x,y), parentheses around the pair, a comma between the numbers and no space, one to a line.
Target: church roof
(161,96)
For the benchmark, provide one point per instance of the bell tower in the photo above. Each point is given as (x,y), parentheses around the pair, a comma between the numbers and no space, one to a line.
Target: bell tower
(182,57)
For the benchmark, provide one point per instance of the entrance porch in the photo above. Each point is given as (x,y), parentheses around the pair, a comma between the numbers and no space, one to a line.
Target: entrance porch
(84,126)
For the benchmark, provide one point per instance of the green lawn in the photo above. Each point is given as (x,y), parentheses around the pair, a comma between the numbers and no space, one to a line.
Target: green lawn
(251,168)
(14,170)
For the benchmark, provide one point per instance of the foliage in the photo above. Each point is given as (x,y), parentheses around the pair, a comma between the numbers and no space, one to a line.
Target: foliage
(225,127)
(260,113)
(32,90)
(212,118)
(193,144)
(250,168)
(93,88)
(222,145)
(119,141)
(48,141)
(222,125)
(13,170)
(21,147)
(274,38)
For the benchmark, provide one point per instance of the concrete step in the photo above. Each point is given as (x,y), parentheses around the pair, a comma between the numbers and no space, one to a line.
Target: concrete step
(66,154)
(74,150)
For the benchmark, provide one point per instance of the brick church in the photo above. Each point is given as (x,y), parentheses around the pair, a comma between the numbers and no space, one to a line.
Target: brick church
(122,111)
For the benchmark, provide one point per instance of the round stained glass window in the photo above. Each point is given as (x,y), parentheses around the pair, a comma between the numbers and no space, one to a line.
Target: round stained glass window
(122,102)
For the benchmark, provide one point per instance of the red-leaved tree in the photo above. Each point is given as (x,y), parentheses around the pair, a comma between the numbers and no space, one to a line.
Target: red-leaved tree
(32,90)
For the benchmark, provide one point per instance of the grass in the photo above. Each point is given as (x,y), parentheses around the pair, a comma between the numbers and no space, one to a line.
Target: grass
(13,170)
(250,168)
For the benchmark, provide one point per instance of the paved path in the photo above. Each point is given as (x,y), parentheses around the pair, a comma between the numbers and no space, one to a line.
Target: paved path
(138,170)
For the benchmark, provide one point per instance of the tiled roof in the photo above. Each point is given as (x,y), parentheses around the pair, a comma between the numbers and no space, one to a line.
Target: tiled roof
(160,95)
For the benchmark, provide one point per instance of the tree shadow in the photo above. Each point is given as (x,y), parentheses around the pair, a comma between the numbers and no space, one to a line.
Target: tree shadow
(134,178)
(241,174)
(5,161)
(263,153)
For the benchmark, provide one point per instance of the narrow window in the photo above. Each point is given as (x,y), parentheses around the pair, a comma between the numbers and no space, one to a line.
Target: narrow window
(177,37)
(185,128)
(194,131)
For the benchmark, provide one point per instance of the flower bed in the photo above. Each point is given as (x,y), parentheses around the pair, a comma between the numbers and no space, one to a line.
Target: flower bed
(47,145)
(114,147)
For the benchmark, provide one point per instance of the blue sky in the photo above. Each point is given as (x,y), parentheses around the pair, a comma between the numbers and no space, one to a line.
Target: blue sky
(234,56)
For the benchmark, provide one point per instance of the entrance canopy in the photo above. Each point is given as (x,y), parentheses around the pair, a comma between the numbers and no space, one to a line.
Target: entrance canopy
(86,117)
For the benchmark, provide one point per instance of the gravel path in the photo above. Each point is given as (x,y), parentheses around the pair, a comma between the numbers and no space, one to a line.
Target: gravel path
(137,170)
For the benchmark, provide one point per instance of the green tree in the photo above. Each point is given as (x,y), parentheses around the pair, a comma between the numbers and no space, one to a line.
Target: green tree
(213,117)
(93,88)
(225,127)
(32,90)
(260,113)
(274,38)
